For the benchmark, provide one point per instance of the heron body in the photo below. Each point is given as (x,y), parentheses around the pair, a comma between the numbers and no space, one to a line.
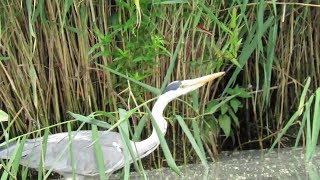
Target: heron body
(59,159)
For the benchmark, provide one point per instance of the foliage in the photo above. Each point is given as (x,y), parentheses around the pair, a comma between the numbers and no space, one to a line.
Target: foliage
(72,56)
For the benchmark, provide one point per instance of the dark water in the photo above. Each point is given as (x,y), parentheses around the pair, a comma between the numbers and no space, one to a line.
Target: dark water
(285,163)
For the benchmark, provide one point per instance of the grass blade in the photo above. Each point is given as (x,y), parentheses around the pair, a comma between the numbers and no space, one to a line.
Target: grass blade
(293,117)
(138,131)
(3,116)
(249,46)
(71,150)
(269,62)
(154,90)
(315,126)
(303,121)
(174,56)
(90,120)
(196,133)
(41,170)
(172,164)
(195,146)
(98,152)
(124,131)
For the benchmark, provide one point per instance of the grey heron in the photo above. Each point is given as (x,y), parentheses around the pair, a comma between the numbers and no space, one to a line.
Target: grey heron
(111,142)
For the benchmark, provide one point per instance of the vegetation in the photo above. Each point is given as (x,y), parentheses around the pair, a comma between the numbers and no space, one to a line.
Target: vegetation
(88,57)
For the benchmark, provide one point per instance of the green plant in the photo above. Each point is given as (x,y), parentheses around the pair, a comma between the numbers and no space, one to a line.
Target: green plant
(223,116)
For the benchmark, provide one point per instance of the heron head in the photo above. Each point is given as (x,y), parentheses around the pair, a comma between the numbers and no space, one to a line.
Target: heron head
(178,88)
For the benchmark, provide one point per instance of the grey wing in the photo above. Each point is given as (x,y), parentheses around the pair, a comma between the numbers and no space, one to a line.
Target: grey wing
(58,153)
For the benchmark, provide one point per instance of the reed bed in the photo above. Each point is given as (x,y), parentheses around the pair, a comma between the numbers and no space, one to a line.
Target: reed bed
(73,56)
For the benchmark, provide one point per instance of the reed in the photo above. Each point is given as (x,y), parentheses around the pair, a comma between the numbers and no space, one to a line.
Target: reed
(75,56)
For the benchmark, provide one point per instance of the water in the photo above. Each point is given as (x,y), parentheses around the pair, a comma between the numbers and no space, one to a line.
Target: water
(287,163)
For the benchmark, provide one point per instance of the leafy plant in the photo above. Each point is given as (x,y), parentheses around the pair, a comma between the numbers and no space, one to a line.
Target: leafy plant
(224,116)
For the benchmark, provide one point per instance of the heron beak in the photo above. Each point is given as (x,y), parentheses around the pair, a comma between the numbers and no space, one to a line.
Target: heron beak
(205,79)
(198,82)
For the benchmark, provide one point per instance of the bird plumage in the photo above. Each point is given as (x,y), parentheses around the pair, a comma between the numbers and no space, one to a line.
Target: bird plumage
(58,158)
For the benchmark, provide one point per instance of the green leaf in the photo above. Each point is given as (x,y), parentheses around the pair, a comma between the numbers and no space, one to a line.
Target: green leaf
(148,87)
(71,149)
(233,22)
(290,122)
(175,54)
(315,123)
(235,104)
(225,124)
(302,128)
(98,152)
(250,45)
(240,91)
(164,145)
(44,144)
(213,17)
(3,116)
(197,136)
(2,58)
(192,141)
(170,2)
(224,108)
(213,107)
(90,120)
(140,127)
(235,62)
(234,117)
(124,131)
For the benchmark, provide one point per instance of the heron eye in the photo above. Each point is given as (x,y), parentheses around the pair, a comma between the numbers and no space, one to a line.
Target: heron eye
(182,86)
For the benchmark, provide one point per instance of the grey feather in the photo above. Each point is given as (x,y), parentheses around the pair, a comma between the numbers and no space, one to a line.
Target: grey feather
(82,148)
(172,86)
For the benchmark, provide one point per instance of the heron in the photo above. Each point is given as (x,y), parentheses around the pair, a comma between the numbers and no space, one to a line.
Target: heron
(111,143)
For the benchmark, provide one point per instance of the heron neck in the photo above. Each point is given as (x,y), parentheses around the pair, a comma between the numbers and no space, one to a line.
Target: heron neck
(148,145)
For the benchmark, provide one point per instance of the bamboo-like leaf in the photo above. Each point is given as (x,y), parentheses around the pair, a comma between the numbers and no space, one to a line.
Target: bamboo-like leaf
(303,95)
(225,124)
(214,108)
(164,145)
(193,142)
(129,152)
(154,90)
(90,120)
(138,131)
(124,131)
(71,149)
(249,46)
(214,17)
(34,80)
(315,124)
(18,155)
(44,143)
(291,120)
(3,116)
(170,2)
(308,137)
(5,175)
(175,55)
(3,58)
(197,137)
(269,62)
(14,161)
(195,100)
(64,150)
(98,152)
(29,10)
(303,122)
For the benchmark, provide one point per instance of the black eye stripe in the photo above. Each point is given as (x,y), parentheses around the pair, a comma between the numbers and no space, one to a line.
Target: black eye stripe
(173,86)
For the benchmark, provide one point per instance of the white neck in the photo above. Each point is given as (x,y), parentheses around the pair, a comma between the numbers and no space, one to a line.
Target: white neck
(148,145)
